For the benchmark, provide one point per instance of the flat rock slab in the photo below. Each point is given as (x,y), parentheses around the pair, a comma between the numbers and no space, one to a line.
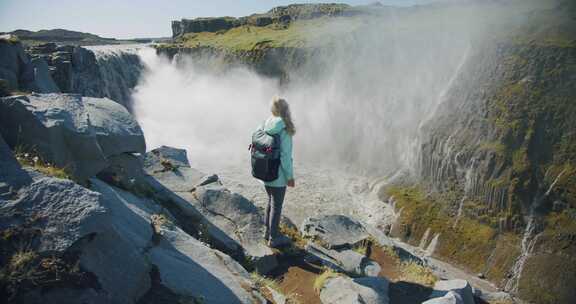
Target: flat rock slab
(189,268)
(458,286)
(348,261)
(344,290)
(334,230)
(231,220)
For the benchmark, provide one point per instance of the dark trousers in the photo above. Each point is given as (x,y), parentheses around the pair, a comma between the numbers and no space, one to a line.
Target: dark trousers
(273,211)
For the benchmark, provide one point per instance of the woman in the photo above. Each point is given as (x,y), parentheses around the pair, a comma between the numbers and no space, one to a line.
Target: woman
(279,123)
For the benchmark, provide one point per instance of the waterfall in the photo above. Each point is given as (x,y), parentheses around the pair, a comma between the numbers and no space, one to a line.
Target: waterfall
(357,104)
(529,239)
(119,68)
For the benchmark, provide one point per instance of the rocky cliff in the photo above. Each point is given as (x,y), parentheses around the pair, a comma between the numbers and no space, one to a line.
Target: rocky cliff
(281,15)
(496,187)
(47,68)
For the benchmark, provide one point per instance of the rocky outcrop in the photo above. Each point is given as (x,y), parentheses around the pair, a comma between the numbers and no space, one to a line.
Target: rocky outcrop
(110,73)
(278,15)
(335,231)
(345,261)
(231,222)
(64,243)
(69,131)
(497,154)
(343,290)
(20,72)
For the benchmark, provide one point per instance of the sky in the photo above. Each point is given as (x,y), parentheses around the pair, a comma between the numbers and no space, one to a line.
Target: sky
(135,18)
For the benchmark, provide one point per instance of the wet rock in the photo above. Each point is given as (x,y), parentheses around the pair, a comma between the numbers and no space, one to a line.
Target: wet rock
(461,287)
(450,297)
(334,230)
(347,261)
(344,290)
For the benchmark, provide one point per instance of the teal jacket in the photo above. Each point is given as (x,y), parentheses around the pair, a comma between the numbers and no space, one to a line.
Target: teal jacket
(275,125)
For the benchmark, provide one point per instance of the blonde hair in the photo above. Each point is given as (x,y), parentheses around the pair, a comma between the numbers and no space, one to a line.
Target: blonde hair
(280,108)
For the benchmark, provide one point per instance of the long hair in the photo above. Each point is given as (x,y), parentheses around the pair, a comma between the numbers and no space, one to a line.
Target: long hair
(281,109)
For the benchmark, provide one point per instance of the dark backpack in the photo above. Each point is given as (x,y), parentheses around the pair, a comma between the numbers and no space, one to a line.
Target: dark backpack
(265,155)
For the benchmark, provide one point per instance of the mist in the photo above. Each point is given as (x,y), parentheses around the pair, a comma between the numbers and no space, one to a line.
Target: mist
(358,104)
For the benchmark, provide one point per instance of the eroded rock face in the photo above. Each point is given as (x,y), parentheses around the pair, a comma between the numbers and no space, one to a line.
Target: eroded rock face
(334,230)
(76,69)
(344,290)
(23,73)
(70,131)
(14,65)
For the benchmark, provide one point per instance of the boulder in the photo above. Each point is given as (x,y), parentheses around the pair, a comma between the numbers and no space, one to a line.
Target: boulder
(170,167)
(125,171)
(334,230)
(65,211)
(174,157)
(70,131)
(116,129)
(347,261)
(344,290)
(450,297)
(458,286)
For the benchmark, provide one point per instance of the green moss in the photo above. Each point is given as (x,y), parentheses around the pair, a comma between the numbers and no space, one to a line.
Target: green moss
(546,279)
(469,243)
(297,34)
(503,257)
